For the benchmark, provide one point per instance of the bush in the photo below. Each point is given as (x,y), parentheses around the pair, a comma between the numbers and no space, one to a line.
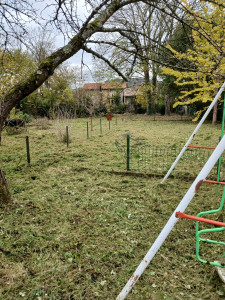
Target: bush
(161,109)
(120,109)
(27,118)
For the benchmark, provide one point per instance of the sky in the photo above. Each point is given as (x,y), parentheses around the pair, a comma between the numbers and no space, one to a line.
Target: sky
(77,58)
(59,39)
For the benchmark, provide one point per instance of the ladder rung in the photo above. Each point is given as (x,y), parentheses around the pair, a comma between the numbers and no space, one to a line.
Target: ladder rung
(185,216)
(215,182)
(201,147)
(207,181)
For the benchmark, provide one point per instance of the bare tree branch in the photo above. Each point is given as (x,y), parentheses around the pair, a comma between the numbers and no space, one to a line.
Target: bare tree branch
(89,50)
(14,19)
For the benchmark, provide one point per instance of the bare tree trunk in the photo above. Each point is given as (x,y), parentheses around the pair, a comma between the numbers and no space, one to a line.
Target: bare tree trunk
(1,127)
(4,190)
(0,134)
(214,119)
(154,88)
(147,83)
(148,109)
(167,105)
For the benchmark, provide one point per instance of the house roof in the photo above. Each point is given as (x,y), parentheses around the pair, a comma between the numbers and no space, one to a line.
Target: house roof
(113,85)
(104,86)
(92,86)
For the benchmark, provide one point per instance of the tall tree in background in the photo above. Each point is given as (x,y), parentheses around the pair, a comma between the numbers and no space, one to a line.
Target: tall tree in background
(137,33)
(41,43)
(54,95)
(15,65)
(180,41)
(206,59)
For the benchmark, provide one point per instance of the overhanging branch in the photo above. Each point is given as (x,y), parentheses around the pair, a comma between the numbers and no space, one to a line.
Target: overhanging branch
(89,50)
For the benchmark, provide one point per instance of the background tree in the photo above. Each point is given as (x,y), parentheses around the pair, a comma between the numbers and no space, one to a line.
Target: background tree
(180,41)
(15,66)
(137,33)
(56,94)
(40,43)
(206,59)
(142,96)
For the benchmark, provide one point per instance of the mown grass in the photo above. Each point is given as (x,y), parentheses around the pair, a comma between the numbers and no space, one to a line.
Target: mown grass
(79,224)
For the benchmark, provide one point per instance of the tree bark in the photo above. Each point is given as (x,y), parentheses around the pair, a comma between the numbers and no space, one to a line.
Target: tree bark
(167,105)
(214,118)
(147,83)
(1,128)
(154,87)
(4,190)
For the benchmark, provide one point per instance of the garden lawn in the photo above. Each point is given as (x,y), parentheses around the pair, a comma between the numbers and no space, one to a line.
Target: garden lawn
(79,224)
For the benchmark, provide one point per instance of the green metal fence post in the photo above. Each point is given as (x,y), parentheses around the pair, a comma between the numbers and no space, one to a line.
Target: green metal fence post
(28,149)
(128,152)
(67,136)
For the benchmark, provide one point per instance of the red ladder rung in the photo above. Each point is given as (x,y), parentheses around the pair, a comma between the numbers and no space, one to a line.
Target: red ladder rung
(201,147)
(215,182)
(207,181)
(185,216)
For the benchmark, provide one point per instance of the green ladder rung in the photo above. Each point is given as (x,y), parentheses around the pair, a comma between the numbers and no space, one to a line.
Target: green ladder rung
(211,230)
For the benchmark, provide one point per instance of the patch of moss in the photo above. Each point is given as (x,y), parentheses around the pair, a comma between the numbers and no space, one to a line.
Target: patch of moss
(74,39)
(95,23)
(48,61)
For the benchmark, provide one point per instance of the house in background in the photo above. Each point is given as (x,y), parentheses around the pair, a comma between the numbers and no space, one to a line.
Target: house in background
(128,95)
(107,90)
(111,89)
(95,88)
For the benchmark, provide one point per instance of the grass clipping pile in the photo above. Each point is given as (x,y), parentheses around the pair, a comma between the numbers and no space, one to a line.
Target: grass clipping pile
(79,224)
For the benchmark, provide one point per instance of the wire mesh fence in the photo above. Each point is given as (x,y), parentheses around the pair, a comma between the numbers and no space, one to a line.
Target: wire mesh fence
(158,159)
